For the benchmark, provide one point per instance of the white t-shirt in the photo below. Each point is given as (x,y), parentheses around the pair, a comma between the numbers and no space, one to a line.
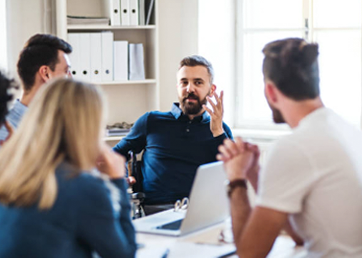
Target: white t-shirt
(315,175)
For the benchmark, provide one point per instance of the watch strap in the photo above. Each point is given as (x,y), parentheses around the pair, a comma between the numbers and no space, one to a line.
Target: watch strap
(236,183)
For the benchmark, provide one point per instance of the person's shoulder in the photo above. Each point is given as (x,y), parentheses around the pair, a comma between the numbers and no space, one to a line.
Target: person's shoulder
(89,184)
(159,115)
(287,145)
(156,113)
(226,126)
(16,113)
(82,182)
(227,130)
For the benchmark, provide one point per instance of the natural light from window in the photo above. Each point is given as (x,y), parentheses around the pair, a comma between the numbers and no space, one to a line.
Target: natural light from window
(338,33)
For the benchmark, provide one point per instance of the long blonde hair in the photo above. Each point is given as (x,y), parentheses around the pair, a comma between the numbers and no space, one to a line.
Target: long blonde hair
(63,122)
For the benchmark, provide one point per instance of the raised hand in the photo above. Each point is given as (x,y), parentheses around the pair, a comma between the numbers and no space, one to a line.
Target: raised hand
(216,113)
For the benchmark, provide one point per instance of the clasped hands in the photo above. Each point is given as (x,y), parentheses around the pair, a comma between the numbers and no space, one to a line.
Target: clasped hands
(241,160)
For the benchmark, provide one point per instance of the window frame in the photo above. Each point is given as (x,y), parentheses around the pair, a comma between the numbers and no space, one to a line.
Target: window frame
(309,30)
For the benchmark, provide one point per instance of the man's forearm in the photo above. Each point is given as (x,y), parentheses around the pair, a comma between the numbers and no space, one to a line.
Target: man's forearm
(297,239)
(240,211)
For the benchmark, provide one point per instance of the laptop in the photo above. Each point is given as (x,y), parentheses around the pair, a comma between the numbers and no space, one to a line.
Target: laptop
(208,205)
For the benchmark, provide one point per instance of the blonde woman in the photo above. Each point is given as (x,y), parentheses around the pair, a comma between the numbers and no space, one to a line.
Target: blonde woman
(51,203)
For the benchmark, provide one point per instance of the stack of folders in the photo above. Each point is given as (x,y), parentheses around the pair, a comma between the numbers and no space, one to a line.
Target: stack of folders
(117,132)
(130,12)
(96,57)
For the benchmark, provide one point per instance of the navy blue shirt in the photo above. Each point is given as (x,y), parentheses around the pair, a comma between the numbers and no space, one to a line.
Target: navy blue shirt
(83,219)
(174,146)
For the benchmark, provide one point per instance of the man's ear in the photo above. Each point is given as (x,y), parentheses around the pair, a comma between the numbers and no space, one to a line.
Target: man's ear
(212,89)
(271,92)
(44,72)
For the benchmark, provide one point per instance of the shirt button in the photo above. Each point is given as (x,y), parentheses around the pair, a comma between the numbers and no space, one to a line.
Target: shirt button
(187,130)
(190,122)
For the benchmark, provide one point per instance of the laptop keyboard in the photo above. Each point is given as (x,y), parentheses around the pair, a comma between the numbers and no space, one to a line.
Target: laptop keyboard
(175,225)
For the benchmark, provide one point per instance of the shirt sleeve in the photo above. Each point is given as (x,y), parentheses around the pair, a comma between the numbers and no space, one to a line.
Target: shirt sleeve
(286,178)
(228,131)
(136,139)
(108,232)
(3,133)
(214,143)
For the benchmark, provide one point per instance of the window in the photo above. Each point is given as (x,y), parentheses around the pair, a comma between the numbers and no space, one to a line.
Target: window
(334,24)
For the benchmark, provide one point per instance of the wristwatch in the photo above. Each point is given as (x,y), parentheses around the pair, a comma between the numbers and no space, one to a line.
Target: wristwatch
(230,186)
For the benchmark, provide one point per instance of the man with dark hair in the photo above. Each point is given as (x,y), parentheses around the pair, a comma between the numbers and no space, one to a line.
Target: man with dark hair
(311,179)
(44,57)
(6,85)
(175,143)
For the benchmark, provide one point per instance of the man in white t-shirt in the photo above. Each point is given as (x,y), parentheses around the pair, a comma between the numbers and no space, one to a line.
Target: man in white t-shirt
(311,178)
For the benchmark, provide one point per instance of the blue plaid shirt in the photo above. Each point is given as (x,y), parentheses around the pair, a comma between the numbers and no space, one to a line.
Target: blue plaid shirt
(14,117)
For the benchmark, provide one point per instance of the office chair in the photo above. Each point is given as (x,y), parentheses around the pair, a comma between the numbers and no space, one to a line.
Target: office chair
(134,169)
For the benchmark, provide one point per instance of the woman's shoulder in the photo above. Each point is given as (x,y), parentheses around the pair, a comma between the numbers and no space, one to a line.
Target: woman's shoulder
(78,180)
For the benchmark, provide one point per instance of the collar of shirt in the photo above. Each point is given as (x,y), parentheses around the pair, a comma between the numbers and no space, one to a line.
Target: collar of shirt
(19,108)
(177,113)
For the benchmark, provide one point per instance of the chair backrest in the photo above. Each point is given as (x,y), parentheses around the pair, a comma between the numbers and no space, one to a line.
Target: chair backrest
(136,173)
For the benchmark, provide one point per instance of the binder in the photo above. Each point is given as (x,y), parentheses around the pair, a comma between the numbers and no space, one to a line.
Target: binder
(96,57)
(149,5)
(125,16)
(107,56)
(141,12)
(120,60)
(84,56)
(113,7)
(136,62)
(73,40)
(133,12)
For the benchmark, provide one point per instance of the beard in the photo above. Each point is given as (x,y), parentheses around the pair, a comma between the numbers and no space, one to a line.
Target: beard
(277,115)
(192,108)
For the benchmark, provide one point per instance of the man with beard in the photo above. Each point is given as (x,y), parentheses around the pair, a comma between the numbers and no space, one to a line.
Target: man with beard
(175,143)
(311,178)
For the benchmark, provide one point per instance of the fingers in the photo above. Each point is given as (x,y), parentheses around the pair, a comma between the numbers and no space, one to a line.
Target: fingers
(218,106)
(131,180)
(208,110)
(241,144)
(218,99)
(256,151)
(229,149)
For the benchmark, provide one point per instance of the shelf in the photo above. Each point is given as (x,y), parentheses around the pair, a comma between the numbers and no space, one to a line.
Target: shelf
(113,138)
(107,27)
(147,81)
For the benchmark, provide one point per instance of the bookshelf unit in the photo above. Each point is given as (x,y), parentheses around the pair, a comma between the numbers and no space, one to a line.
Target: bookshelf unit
(126,100)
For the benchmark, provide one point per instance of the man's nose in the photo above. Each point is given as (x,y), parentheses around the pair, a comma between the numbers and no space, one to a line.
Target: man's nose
(190,87)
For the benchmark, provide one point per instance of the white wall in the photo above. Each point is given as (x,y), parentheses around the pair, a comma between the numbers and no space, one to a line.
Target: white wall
(217,31)
(25,18)
(3,39)
(178,37)
(178,30)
